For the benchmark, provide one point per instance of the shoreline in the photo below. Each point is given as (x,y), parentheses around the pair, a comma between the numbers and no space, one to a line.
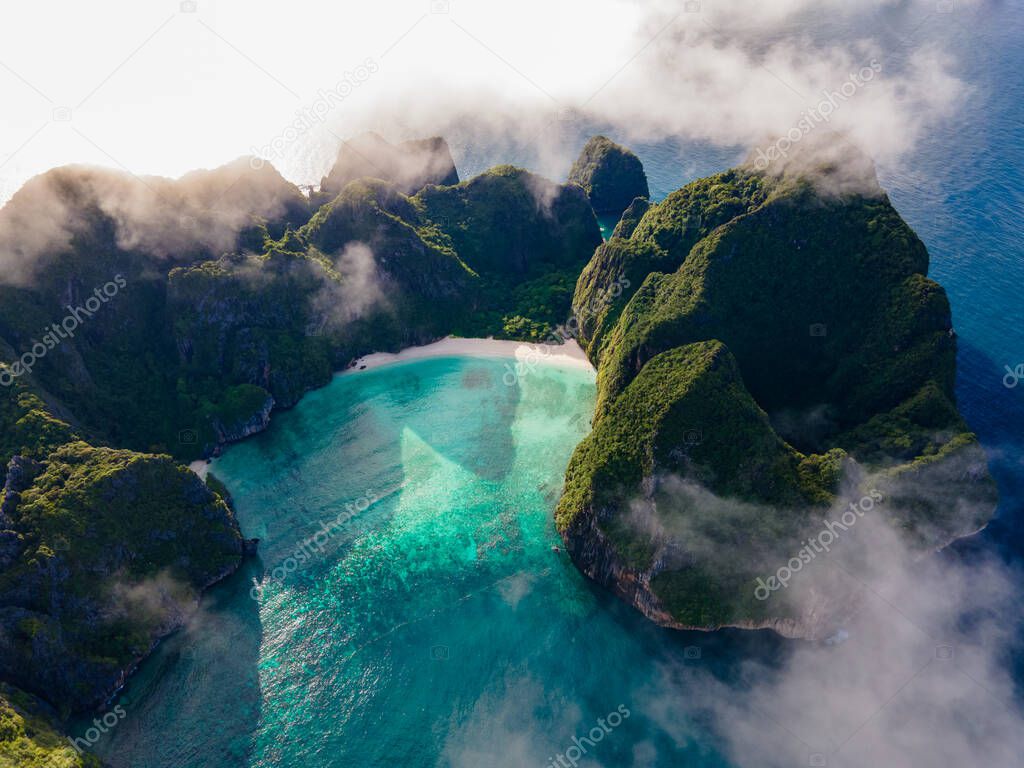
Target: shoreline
(567,354)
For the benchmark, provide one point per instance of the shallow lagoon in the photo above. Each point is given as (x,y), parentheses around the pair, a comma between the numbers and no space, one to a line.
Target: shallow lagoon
(435,625)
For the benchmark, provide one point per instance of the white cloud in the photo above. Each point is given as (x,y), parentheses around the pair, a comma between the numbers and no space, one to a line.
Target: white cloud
(158,91)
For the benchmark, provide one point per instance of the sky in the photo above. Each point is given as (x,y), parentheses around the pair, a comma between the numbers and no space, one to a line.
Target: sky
(166,87)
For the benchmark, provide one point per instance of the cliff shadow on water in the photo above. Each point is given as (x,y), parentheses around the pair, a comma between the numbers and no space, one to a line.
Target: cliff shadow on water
(996,414)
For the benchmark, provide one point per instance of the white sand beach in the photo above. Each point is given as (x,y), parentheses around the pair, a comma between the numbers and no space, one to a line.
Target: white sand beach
(568,354)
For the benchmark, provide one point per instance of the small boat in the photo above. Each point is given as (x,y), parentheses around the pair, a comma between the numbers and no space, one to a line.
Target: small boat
(555,549)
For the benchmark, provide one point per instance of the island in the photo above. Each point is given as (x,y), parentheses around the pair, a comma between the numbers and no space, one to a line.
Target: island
(611,175)
(778,354)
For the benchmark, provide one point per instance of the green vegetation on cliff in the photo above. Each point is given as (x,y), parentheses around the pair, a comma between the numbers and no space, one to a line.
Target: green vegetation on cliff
(30,429)
(686,423)
(658,241)
(821,301)
(611,175)
(105,551)
(687,412)
(526,237)
(102,551)
(772,336)
(29,737)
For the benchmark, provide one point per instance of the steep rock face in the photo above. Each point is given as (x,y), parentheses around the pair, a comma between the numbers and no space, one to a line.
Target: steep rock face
(99,549)
(631,217)
(95,248)
(525,237)
(657,243)
(687,423)
(246,420)
(114,549)
(21,471)
(611,175)
(508,221)
(410,165)
(406,249)
(244,321)
(809,313)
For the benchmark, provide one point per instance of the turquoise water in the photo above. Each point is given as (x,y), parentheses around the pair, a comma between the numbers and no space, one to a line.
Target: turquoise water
(607,225)
(436,625)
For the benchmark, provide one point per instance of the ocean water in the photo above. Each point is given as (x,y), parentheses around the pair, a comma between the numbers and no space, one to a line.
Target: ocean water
(436,626)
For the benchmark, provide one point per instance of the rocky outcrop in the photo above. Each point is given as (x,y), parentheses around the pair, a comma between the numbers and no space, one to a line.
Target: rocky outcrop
(611,175)
(409,165)
(115,548)
(233,431)
(631,218)
(777,352)
(513,224)
(598,558)
(21,471)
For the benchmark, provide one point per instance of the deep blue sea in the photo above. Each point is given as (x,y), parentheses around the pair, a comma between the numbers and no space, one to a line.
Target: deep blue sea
(435,625)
